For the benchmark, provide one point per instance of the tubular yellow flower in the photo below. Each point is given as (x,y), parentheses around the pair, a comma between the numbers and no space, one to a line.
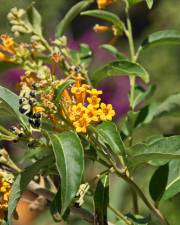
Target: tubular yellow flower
(94,101)
(8,43)
(91,113)
(94,92)
(101,29)
(106,112)
(102,4)
(5,187)
(79,93)
(76,112)
(82,124)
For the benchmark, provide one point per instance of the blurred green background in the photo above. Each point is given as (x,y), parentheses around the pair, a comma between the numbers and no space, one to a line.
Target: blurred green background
(163,64)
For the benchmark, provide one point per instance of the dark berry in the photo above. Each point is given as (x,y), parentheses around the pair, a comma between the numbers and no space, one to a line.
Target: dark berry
(37,115)
(37,123)
(33,94)
(32,101)
(35,86)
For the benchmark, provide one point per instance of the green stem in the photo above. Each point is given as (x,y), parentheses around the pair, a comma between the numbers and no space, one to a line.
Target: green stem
(129,35)
(119,214)
(136,188)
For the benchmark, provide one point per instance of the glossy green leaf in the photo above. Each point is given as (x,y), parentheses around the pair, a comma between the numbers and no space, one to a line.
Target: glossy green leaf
(101,201)
(165,148)
(114,51)
(110,135)
(173,183)
(22,180)
(61,88)
(141,95)
(105,15)
(35,19)
(149,3)
(169,105)
(161,37)
(120,68)
(133,2)
(69,157)
(158,182)
(70,15)
(12,102)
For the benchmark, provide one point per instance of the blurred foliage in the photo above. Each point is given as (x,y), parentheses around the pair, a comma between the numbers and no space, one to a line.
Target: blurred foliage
(161,62)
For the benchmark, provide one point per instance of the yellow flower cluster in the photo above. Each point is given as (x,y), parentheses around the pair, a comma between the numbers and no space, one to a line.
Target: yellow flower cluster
(86,107)
(102,4)
(6,48)
(5,188)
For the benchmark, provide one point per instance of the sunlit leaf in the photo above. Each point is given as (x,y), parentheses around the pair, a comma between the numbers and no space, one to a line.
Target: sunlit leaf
(173,183)
(161,37)
(70,15)
(105,15)
(164,148)
(120,68)
(12,102)
(69,157)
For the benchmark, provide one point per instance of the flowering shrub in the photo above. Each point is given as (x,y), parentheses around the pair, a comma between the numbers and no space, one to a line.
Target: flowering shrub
(63,122)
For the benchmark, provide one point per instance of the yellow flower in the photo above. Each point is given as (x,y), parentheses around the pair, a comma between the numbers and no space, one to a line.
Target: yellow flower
(5,188)
(103,3)
(106,112)
(79,92)
(82,124)
(91,113)
(101,29)
(94,101)
(38,109)
(76,112)
(8,43)
(7,47)
(94,92)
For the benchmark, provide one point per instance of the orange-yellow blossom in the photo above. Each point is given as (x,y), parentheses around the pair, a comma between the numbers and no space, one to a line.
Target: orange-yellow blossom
(76,112)
(82,124)
(102,4)
(106,112)
(91,113)
(94,101)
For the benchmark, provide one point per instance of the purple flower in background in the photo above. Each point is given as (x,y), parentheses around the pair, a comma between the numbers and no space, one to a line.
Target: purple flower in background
(11,78)
(115,91)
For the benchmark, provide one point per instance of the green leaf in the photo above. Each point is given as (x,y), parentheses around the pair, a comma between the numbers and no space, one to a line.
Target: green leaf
(110,135)
(61,88)
(12,102)
(158,182)
(161,37)
(105,15)
(22,180)
(165,148)
(141,95)
(173,183)
(69,157)
(35,19)
(120,68)
(101,200)
(114,51)
(149,3)
(71,14)
(85,54)
(169,105)
(133,2)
